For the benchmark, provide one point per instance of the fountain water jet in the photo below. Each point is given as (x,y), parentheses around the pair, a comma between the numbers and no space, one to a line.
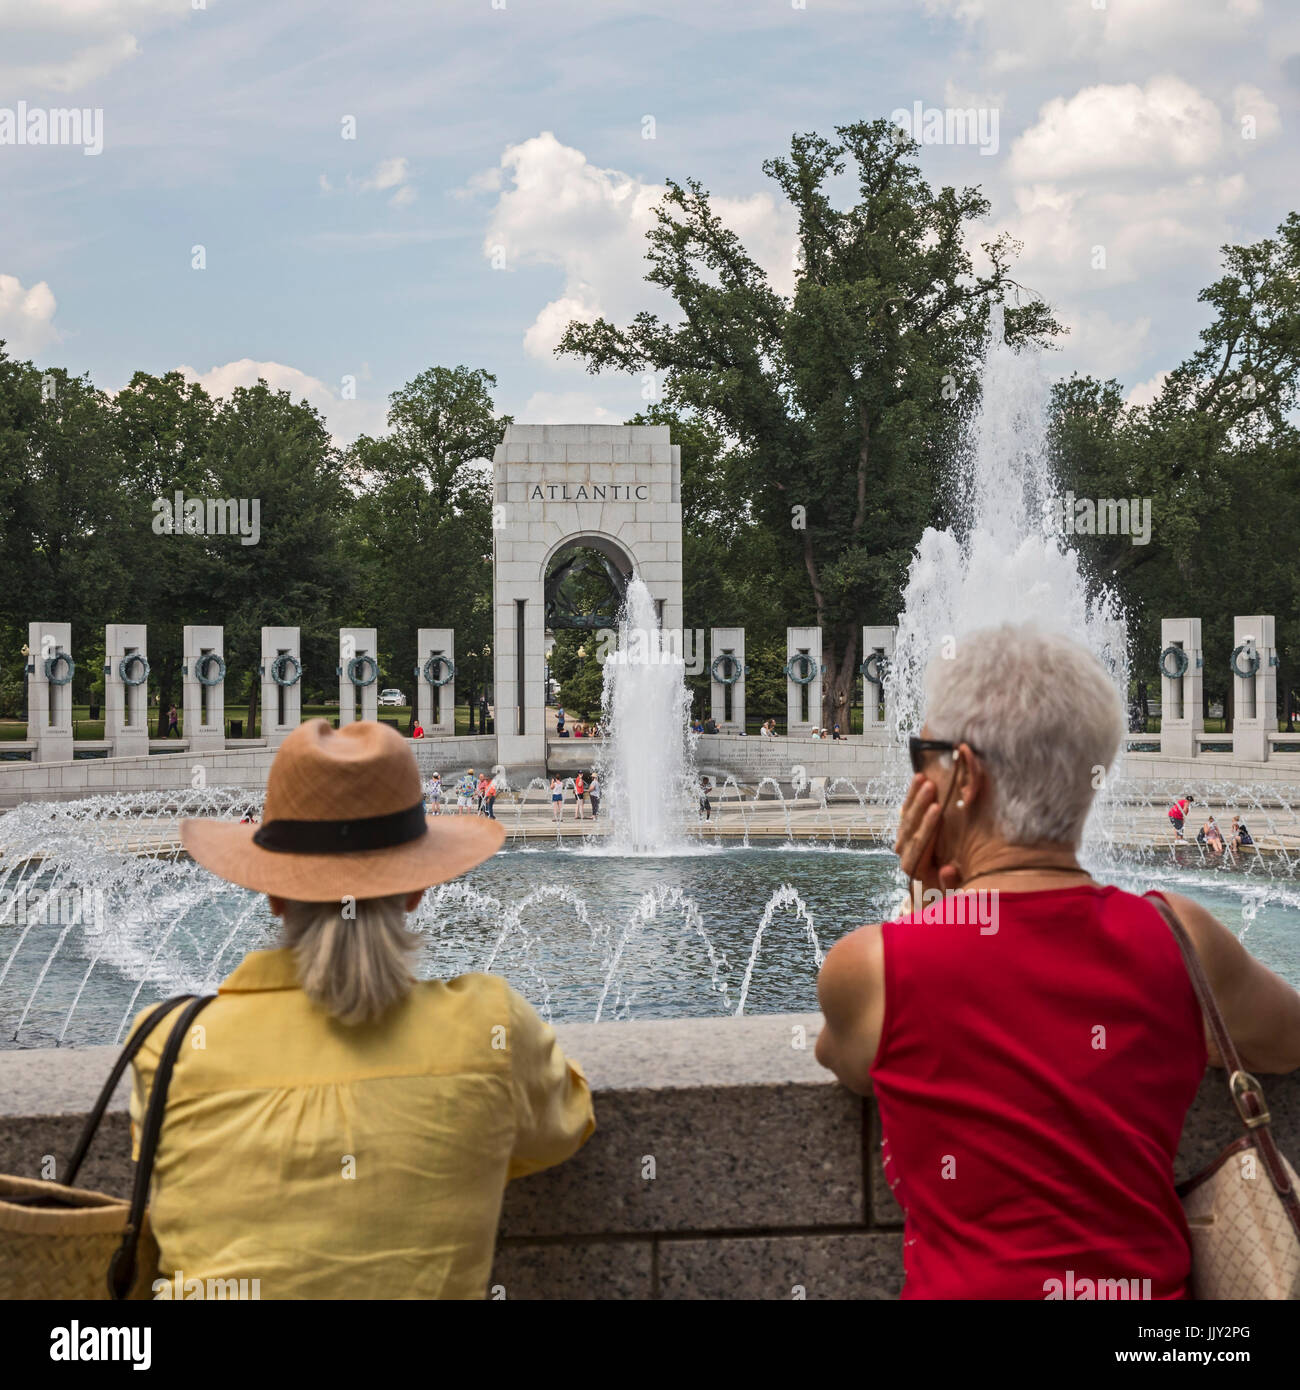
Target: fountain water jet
(647,765)
(1001,562)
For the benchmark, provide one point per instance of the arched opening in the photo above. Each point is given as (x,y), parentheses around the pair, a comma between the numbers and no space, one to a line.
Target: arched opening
(584,585)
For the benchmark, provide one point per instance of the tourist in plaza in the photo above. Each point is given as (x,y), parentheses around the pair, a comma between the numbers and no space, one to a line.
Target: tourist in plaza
(1211,837)
(1031,1036)
(1240,838)
(559,721)
(836,734)
(490,798)
(435,794)
(465,792)
(557,799)
(173,723)
(579,791)
(480,794)
(1178,814)
(325,1059)
(768,730)
(710,725)
(706,806)
(593,791)
(418,730)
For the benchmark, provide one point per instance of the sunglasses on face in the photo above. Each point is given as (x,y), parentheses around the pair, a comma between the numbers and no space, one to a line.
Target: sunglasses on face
(918,747)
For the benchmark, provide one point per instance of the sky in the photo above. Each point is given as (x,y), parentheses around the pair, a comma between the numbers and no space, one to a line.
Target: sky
(337,196)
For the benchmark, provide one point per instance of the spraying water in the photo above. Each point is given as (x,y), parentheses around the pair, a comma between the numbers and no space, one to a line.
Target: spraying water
(648,771)
(1002,562)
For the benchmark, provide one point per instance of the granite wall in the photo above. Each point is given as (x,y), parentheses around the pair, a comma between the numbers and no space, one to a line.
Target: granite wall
(725,1164)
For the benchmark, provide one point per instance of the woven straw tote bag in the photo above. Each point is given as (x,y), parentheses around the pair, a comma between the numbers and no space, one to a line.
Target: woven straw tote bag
(59,1241)
(1243,1211)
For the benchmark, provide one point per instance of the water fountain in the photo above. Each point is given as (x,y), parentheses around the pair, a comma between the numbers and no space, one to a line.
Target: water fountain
(647,766)
(646,920)
(1000,562)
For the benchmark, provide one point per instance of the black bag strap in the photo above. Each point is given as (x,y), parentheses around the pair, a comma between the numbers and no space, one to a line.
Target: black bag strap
(133,1045)
(122,1267)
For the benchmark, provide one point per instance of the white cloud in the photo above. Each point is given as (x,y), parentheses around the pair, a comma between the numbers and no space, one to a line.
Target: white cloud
(70,73)
(560,210)
(1117,129)
(392,173)
(1249,104)
(347,418)
(64,45)
(1106,346)
(389,173)
(1018,36)
(1145,392)
(570,408)
(26,317)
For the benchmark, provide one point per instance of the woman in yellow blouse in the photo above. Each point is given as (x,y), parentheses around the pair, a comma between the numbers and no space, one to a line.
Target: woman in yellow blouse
(334,1127)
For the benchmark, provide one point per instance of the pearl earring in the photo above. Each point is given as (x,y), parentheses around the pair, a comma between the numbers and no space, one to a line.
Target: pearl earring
(960,802)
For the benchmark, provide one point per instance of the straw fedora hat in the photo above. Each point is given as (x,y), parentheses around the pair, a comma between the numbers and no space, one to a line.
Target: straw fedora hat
(344,817)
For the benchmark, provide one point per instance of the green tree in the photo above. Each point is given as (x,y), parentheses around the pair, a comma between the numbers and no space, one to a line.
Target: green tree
(421,522)
(842,400)
(264,447)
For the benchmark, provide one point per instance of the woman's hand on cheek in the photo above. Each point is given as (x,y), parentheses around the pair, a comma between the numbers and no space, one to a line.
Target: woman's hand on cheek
(918,830)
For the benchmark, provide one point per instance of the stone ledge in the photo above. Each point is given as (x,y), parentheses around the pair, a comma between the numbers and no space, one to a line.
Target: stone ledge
(766,1183)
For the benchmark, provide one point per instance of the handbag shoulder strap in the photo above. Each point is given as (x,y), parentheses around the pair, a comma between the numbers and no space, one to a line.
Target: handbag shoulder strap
(1204,993)
(122,1268)
(127,1056)
(1246,1092)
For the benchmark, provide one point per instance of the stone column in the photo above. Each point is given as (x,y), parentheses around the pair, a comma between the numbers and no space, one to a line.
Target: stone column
(49,704)
(1181,713)
(126,707)
(803,640)
(204,697)
(1254,717)
(878,648)
(358,644)
(436,705)
(727,641)
(281,704)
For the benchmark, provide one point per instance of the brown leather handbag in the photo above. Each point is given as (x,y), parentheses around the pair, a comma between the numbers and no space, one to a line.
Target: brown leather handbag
(1243,1211)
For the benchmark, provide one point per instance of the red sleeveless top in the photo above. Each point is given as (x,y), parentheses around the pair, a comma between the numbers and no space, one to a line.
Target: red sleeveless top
(1032,1079)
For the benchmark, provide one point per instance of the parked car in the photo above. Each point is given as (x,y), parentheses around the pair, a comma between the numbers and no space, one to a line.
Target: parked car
(391,697)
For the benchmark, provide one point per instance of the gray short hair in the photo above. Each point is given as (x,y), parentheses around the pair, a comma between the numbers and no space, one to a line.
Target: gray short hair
(354,967)
(1043,712)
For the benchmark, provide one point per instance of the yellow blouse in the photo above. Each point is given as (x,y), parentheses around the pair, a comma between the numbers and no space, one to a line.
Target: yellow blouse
(335,1161)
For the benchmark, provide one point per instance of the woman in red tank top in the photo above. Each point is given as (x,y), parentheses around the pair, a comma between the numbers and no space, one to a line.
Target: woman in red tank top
(1030,1036)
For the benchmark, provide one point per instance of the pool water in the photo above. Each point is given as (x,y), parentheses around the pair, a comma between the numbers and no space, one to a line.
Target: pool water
(584,934)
